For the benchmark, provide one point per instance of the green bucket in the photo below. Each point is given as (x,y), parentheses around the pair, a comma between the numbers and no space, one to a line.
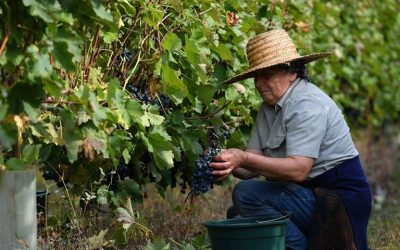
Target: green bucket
(249,233)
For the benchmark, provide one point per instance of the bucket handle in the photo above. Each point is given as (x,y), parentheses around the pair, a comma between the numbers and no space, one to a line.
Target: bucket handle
(287,215)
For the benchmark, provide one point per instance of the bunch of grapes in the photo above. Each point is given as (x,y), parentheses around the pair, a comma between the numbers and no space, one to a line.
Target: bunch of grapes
(178,173)
(130,171)
(51,174)
(203,179)
(118,174)
(143,95)
(126,54)
(225,133)
(162,102)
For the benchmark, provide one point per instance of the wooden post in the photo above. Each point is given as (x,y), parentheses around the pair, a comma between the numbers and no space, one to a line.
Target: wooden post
(18,226)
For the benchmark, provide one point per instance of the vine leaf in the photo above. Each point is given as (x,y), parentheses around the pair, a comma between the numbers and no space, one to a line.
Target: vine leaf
(101,12)
(30,153)
(158,143)
(15,164)
(50,12)
(171,42)
(72,138)
(172,85)
(142,117)
(193,54)
(8,135)
(224,52)
(67,49)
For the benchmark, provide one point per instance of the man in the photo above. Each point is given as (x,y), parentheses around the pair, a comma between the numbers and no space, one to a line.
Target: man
(302,145)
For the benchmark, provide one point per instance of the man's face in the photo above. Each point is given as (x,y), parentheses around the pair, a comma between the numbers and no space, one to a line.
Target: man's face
(272,83)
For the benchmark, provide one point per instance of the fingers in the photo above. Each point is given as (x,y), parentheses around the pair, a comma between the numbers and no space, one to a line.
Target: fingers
(220,165)
(219,157)
(225,155)
(221,168)
(222,172)
(225,162)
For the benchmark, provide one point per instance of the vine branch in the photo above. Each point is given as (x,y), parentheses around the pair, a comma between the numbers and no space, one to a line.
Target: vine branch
(122,45)
(3,45)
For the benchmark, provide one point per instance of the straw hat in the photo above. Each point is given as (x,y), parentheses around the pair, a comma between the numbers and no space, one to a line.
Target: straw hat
(269,49)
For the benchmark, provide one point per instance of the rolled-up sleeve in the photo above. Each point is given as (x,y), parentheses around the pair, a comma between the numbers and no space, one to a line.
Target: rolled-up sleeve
(306,125)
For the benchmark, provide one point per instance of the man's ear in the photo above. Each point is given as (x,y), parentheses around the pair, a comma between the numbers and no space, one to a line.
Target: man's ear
(292,76)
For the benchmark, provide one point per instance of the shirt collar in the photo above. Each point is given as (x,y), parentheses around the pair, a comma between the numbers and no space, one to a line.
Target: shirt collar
(285,96)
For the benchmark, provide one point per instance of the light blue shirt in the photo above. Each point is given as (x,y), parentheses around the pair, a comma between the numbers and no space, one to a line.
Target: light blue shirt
(304,122)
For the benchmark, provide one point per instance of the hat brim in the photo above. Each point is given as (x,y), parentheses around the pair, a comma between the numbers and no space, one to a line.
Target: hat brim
(250,72)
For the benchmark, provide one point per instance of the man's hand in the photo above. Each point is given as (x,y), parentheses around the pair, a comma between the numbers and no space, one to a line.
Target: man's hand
(229,160)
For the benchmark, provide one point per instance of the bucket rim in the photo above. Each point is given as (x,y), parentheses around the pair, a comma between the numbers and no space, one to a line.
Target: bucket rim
(247,222)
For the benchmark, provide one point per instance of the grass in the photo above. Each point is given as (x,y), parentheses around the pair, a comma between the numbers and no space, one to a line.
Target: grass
(171,218)
(384,225)
(181,217)
(178,219)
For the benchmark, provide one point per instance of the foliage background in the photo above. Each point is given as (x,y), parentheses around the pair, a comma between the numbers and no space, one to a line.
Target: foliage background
(68,68)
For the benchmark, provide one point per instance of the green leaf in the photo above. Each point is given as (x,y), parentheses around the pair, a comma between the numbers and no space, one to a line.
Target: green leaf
(164,159)
(8,136)
(224,52)
(100,113)
(72,138)
(126,155)
(129,9)
(102,195)
(139,116)
(198,106)
(205,93)
(3,110)
(45,131)
(14,55)
(153,16)
(25,98)
(98,241)
(131,189)
(39,67)
(31,111)
(46,11)
(67,49)
(158,143)
(171,42)
(54,85)
(115,96)
(159,244)
(136,113)
(101,11)
(193,54)
(15,164)
(172,85)
(30,153)
(154,119)
(109,36)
